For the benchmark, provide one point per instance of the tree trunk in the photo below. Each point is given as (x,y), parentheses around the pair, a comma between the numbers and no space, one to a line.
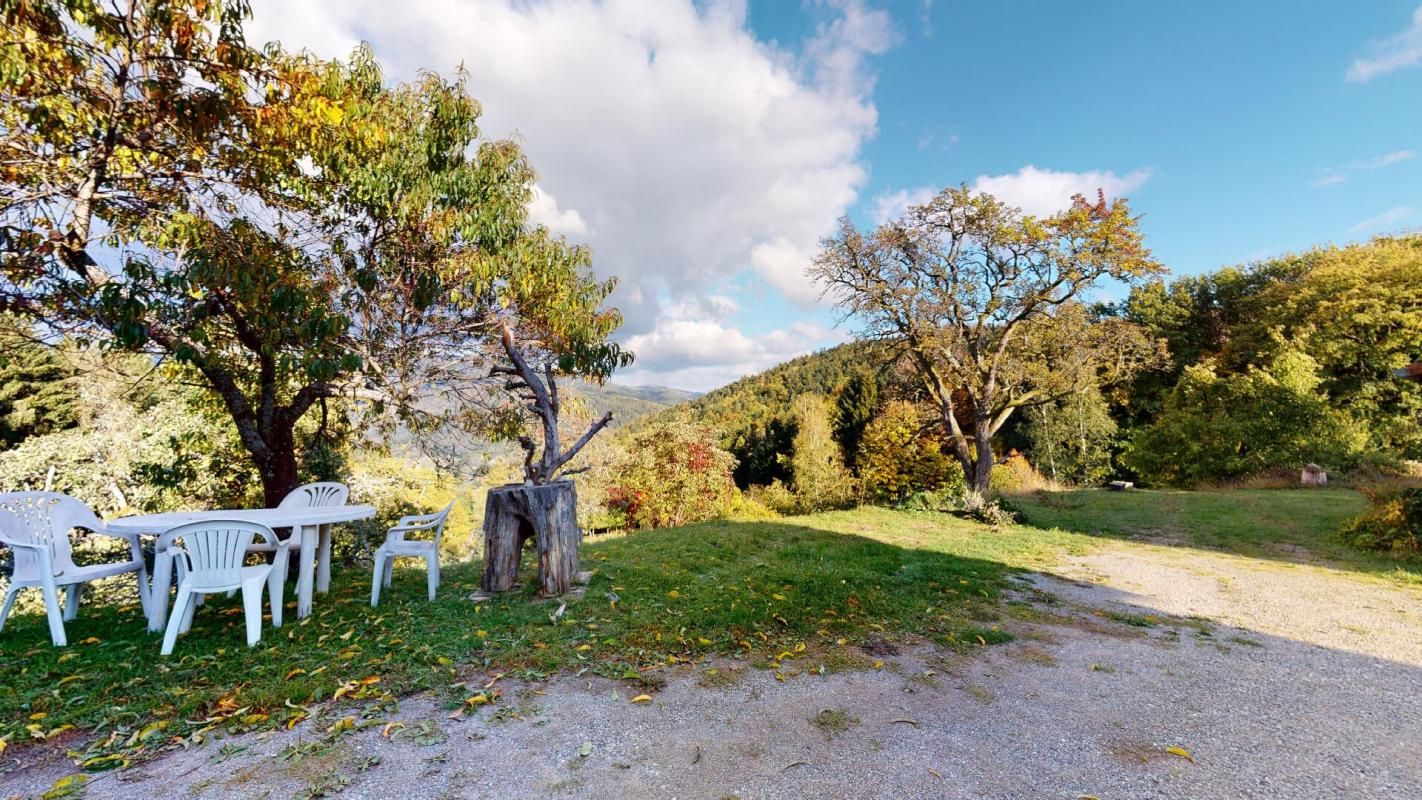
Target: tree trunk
(278,470)
(546,514)
(981,477)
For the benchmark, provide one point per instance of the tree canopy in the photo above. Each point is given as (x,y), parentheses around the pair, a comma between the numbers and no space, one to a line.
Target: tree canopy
(291,228)
(985,304)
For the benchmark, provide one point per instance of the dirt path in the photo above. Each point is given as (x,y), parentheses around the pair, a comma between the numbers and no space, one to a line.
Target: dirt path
(1310,690)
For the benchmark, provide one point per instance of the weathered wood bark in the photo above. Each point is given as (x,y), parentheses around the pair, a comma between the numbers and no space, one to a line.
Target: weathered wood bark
(546,514)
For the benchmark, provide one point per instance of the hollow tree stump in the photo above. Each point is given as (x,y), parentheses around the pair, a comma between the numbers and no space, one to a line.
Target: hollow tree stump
(547,514)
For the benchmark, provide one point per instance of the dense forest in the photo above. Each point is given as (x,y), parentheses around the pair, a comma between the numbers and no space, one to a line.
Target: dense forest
(1267,367)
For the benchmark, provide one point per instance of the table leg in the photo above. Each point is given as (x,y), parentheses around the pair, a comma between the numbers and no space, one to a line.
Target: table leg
(158,593)
(305,573)
(323,560)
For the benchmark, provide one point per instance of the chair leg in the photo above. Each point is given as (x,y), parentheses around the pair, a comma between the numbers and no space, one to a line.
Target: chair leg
(182,607)
(276,585)
(194,600)
(377,577)
(432,573)
(389,570)
(141,574)
(10,593)
(55,613)
(73,593)
(252,604)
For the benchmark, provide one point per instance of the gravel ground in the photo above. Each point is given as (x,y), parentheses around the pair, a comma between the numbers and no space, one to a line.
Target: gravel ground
(1309,691)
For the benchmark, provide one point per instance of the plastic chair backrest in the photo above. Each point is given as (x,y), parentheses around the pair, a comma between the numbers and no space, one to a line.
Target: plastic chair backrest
(316,495)
(43,518)
(216,550)
(435,520)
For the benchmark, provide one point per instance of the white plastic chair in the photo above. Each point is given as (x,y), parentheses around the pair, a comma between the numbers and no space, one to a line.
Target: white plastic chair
(316,495)
(397,546)
(309,495)
(212,559)
(36,527)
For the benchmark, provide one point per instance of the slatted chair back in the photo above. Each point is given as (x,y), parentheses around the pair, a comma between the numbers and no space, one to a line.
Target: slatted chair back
(214,550)
(43,518)
(316,495)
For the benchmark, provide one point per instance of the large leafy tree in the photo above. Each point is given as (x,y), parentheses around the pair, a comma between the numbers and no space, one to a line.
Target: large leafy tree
(291,229)
(984,302)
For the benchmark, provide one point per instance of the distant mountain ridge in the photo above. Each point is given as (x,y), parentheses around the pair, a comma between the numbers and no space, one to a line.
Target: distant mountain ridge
(629,403)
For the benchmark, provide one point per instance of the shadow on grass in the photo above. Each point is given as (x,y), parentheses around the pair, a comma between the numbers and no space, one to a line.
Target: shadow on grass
(764,592)
(1298,526)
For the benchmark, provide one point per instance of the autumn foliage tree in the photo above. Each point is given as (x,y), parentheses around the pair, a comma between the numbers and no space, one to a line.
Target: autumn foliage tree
(291,229)
(985,304)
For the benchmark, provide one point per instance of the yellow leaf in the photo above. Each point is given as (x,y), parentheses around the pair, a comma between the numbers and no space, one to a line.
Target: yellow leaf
(481,633)
(444,661)
(778,596)
(478,700)
(584,647)
(391,728)
(642,698)
(673,594)
(800,648)
(38,715)
(369,679)
(703,641)
(91,640)
(879,664)
(1176,750)
(345,637)
(295,672)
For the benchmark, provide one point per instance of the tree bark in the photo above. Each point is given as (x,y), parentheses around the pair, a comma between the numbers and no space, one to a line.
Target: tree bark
(546,514)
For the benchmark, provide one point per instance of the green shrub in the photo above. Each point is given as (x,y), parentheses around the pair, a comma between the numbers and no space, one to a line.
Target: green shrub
(1392,525)
(1217,428)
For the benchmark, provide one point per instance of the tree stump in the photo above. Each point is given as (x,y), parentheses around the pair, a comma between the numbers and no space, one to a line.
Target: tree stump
(547,514)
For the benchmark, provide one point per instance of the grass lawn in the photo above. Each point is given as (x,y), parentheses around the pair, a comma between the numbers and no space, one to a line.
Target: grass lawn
(1284,525)
(792,596)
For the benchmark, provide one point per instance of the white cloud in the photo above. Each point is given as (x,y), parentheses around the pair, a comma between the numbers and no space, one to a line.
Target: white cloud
(1041,192)
(544,210)
(1332,176)
(1399,51)
(1386,219)
(666,136)
(701,354)
(892,205)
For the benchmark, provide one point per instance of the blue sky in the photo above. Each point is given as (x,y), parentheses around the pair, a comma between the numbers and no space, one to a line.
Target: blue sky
(702,149)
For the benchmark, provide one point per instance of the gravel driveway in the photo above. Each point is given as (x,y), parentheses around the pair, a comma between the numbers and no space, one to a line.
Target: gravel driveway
(1302,683)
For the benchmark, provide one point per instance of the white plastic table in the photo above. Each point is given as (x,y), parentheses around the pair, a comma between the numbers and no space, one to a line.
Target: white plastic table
(312,525)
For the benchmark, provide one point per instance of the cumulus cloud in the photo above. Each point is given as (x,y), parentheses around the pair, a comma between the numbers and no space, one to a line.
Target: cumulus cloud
(1387,219)
(1036,191)
(701,354)
(667,136)
(1041,192)
(1399,51)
